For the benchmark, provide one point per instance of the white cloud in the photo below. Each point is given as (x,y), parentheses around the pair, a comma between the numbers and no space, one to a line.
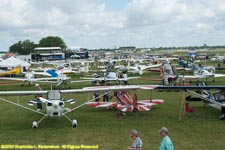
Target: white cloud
(92,24)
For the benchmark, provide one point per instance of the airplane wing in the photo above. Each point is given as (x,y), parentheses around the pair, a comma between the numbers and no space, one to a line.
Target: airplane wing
(42,73)
(151,102)
(130,108)
(201,76)
(86,89)
(109,79)
(14,79)
(190,77)
(93,79)
(149,66)
(78,81)
(102,104)
(108,88)
(129,78)
(161,59)
(117,87)
(8,93)
(31,80)
(219,75)
(190,87)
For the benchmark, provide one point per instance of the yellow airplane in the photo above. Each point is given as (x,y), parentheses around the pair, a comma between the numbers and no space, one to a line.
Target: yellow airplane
(14,71)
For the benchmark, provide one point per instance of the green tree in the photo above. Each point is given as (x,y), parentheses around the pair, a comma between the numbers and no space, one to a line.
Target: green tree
(15,48)
(23,48)
(52,41)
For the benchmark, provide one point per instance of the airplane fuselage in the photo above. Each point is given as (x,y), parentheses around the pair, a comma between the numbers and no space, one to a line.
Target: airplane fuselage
(55,108)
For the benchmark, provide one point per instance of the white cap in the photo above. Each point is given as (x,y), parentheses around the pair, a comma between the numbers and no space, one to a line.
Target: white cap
(163,129)
(133,132)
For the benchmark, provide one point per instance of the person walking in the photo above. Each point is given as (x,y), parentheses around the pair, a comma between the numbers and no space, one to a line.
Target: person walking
(166,143)
(39,104)
(137,142)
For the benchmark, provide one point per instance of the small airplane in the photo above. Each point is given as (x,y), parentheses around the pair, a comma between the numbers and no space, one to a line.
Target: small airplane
(140,68)
(203,73)
(216,100)
(62,69)
(218,58)
(59,79)
(28,79)
(63,79)
(14,71)
(55,105)
(111,76)
(126,103)
(160,69)
(65,69)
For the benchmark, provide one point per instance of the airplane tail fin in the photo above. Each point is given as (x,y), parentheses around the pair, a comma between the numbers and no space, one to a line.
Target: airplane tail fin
(140,72)
(87,66)
(128,64)
(51,73)
(70,67)
(16,70)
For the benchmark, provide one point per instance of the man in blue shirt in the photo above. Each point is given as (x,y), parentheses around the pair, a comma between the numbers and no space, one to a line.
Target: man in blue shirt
(166,143)
(137,142)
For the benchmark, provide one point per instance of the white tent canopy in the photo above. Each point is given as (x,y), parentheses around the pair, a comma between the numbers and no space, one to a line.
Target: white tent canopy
(14,62)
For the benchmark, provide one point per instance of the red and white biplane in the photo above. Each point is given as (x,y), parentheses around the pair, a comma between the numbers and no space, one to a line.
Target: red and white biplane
(126,103)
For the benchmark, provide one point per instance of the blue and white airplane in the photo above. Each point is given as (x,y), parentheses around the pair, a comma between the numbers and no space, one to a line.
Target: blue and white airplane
(53,77)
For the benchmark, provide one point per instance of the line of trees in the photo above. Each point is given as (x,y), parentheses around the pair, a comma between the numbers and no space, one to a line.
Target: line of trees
(190,47)
(26,47)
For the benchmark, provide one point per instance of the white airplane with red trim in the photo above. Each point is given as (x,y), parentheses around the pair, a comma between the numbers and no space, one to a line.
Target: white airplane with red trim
(126,103)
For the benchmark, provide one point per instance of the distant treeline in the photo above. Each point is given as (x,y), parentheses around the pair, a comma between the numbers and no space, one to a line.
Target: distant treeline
(190,47)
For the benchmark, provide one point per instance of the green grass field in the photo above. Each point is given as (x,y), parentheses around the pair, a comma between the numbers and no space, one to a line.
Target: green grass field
(200,130)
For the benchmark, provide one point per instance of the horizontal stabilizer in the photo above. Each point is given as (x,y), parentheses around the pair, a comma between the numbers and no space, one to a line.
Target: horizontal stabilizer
(32,102)
(71,101)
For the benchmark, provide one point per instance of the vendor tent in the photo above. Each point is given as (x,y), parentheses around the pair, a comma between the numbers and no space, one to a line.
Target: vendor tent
(14,62)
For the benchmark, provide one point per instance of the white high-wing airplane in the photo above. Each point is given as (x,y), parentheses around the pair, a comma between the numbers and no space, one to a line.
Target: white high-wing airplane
(55,78)
(55,105)
(55,72)
(140,68)
(203,73)
(111,76)
(62,80)
(29,78)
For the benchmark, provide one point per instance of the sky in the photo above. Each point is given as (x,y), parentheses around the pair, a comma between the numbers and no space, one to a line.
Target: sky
(97,24)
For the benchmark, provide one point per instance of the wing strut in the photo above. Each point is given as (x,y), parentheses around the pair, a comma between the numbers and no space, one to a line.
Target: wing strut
(85,103)
(5,100)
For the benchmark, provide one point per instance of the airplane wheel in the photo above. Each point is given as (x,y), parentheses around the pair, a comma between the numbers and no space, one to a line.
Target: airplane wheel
(74,123)
(35,125)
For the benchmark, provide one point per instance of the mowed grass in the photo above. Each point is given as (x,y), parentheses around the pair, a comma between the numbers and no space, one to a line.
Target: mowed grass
(200,130)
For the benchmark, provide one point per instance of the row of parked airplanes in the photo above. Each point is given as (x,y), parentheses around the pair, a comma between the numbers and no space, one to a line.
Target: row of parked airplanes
(59,76)
(56,105)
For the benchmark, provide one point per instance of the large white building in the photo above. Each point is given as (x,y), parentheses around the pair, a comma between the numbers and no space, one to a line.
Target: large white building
(48,53)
